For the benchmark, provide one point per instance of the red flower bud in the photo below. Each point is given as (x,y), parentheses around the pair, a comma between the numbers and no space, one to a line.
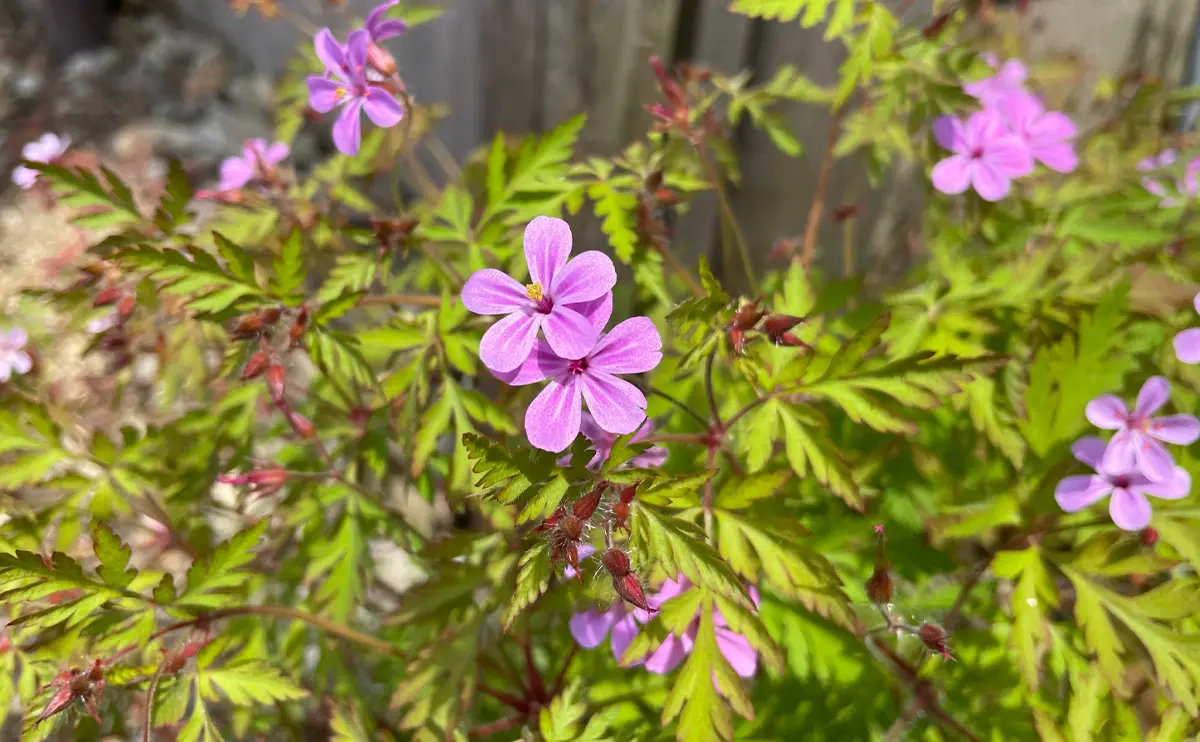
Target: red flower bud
(109,295)
(267,481)
(1149,537)
(571,527)
(301,424)
(275,382)
(934,638)
(737,341)
(255,365)
(842,213)
(381,60)
(616,562)
(666,197)
(271,316)
(629,587)
(585,506)
(247,326)
(747,316)
(777,324)
(880,588)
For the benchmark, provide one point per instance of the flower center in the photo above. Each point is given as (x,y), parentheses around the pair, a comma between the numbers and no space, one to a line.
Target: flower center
(339,94)
(1120,481)
(976,153)
(534,291)
(578,367)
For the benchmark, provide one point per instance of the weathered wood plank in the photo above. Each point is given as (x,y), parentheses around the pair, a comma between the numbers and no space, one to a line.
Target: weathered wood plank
(510,65)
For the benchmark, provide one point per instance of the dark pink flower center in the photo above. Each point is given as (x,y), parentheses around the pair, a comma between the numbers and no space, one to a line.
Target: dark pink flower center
(976,153)
(578,367)
(1120,481)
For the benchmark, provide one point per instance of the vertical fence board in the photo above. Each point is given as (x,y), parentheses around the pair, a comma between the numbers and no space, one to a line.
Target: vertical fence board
(511,42)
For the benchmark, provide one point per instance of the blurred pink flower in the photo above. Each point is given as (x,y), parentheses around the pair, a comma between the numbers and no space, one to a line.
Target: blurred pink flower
(1187,187)
(1128,506)
(46,148)
(602,442)
(1046,134)
(1187,343)
(1135,447)
(1009,80)
(257,156)
(345,85)
(13,357)
(986,155)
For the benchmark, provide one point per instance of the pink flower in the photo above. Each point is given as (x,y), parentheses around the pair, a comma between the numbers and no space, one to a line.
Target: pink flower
(734,647)
(13,357)
(568,300)
(1128,505)
(46,148)
(380,28)
(1009,80)
(1047,135)
(986,155)
(1135,447)
(1187,343)
(1185,187)
(621,621)
(555,415)
(350,89)
(256,158)
(602,442)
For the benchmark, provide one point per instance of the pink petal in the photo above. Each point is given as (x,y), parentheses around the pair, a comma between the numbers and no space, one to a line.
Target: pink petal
(952,175)
(552,420)
(1182,430)
(235,173)
(541,364)
(591,627)
(624,632)
(1051,128)
(356,52)
(1152,397)
(1174,487)
(347,130)
(1196,303)
(989,182)
(569,333)
(1107,411)
(5,369)
(547,245)
(1155,188)
(1152,459)
(24,177)
(1012,73)
(669,589)
(597,311)
(669,654)
(949,134)
(322,93)
(1009,156)
(1120,457)
(618,406)
(592,431)
(382,108)
(983,127)
(21,362)
(329,51)
(490,291)
(507,344)
(585,277)
(653,458)
(1022,112)
(1129,510)
(1060,158)
(16,338)
(1187,346)
(389,28)
(1076,493)
(277,153)
(738,652)
(1089,450)
(632,347)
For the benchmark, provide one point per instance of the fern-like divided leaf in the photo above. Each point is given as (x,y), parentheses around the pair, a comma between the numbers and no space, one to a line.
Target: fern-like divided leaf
(104,204)
(209,287)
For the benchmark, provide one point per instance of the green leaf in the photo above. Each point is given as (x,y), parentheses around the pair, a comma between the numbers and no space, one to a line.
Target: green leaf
(811,447)
(288,267)
(679,546)
(704,714)
(222,569)
(338,307)
(562,720)
(247,684)
(545,501)
(113,555)
(172,210)
(533,577)
(1034,589)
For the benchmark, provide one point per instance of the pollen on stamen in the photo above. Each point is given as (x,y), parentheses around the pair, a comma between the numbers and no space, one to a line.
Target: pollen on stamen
(534,291)
(339,93)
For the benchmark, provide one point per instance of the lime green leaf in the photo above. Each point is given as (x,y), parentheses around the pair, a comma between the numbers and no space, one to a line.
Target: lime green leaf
(680,546)
(288,268)
(1034,590)
(533,577)
(248,684)
(222,569)
(113,555)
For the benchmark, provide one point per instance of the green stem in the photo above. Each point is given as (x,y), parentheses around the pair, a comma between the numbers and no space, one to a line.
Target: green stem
(730,219)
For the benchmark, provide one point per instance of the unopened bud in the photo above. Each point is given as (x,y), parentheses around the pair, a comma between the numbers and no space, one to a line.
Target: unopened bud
(616,562)
(571,527)
(275,381)
(109,295)
(777,324)
(247,326)
(1149,537)
(629,587)
(934,638)
(125,307)
(666,197)
(267,481)
(737,340)
(880,587)
(271,316)
(585,506)
(381,60)
(747,316)
(255,365)
(301,424)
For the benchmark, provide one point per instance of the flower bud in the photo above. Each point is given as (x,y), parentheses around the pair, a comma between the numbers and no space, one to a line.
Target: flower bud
(585,506)
(571,528)
(267,481)
(247,326)
(109,295)
(271,316)
(737,340)
(629,587)
(616,562)
(934,638)
(301,424)
(275,382)
(125,307)
(255,365)
(777,324)
(880,587)
(747,316)
(381,60)
(1149,537)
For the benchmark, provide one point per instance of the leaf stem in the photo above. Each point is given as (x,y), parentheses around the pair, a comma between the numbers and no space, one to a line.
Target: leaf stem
(730,219)
(818,205)
(675,401)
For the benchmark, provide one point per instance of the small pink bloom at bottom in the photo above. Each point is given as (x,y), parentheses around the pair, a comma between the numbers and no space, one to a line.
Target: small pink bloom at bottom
(46,148)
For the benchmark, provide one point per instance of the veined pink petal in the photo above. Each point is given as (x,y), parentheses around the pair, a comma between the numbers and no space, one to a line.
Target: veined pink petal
(1129,510)
(330,52)
(1153,395)
(508,343)
(948,133)
(670,588)
(1078,492)
(669,654)
(541,364)
(1182,430)
(1060,158)
(585,277)
(235,173)
(982,127)
(347,130)
(1174,487)
(990,183)
(1187,346)
(624,631)
(490,291)
(597,311)
(356,53)
(569,333)
(1089,450)
(5,368)
(552,420)
(382,108)
(632,347)
(1152,459)
(738,652)
(591,627)
(1051,127)
(1120,456)
(1107,411)
(952,175)
(547,245)
(618,406)
(1009,156)
(322,93)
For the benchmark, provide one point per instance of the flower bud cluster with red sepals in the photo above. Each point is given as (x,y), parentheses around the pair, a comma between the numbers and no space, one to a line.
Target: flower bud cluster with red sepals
(392,234)
(625,582)
(935,639)
(776,328)
(262,482)
(675,113)
(76,684)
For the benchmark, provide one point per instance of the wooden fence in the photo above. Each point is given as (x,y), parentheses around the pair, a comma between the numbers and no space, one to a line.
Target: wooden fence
(527,65)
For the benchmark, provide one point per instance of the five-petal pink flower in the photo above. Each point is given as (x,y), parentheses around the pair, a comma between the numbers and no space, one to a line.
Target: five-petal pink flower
(556,300)
(257,156)
(1127,505)
(554,417)
(1135,447)
(1187,343)
(14,359)
(987,156)
(1047,134)
(347,86)
(1008,81)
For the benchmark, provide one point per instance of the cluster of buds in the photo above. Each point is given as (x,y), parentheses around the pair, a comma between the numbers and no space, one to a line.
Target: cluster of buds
(676,113)
(776,328)
(76,684)
(263,326)
(262,482)
(566,528)
(620,511)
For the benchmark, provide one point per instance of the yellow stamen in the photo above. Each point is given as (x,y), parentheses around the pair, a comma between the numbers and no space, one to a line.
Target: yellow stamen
(534,291)
(339,94)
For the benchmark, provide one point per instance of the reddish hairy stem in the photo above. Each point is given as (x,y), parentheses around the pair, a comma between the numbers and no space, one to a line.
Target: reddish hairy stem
(517,704)
(536,687)
(494,727)
(557,686)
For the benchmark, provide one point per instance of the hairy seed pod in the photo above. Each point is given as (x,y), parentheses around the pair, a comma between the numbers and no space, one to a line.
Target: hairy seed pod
(585,506)
(629,587)
(616,562)
(1149,537)
(934,638)
(301,424)
(255,365)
